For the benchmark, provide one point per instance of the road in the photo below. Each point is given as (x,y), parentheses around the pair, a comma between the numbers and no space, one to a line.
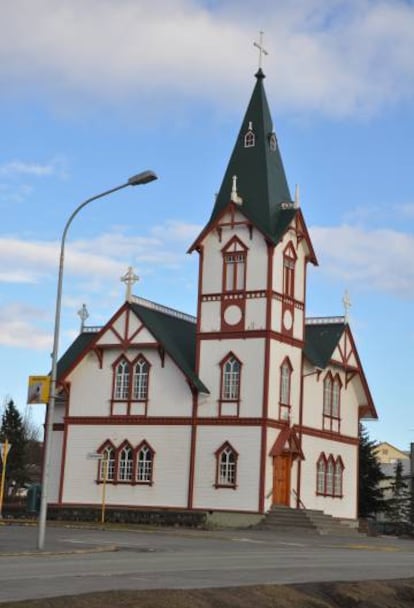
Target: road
(81,561)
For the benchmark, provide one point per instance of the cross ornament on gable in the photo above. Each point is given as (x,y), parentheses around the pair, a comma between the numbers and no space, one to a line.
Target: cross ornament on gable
(129,278)
(262,50)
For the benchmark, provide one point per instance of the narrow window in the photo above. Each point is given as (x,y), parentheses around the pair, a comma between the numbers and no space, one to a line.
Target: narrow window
(249,138)
(338,477)
(234,265)
(285,385)
(289,263)
(145,458)
(231,379)
(140,383)
(330,470)
(321,475)
(327,396)
(125,464)
(226,466)
(107,468)
(122,380)
(335,398)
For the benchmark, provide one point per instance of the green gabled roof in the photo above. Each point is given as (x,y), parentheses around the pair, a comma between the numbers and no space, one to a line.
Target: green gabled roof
(177,336)
(321,340)
(261,179)
(75,350)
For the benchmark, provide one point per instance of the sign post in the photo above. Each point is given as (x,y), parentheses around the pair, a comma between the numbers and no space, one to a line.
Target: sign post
(4,451)
(103,462)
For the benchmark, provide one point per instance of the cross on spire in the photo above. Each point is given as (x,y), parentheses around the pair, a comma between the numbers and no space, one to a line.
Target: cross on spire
(262,50)
(129,278)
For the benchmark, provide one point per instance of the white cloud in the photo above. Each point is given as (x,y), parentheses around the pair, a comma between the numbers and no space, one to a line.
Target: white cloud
(18,327)
(19,168)
(336,57)
(378,260)
(97,259)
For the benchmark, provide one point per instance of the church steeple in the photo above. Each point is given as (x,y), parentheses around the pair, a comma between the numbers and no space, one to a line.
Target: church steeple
(257,163)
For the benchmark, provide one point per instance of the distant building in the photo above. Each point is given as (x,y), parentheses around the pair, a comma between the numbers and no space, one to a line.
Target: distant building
(247,405)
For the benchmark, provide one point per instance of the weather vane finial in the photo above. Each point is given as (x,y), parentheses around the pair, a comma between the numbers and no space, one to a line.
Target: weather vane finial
(83,314)
(262,50)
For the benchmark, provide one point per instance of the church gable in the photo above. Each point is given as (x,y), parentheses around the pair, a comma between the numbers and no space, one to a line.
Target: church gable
(126,329)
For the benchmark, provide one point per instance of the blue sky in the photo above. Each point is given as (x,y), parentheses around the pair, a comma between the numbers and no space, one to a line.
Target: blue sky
(94,91)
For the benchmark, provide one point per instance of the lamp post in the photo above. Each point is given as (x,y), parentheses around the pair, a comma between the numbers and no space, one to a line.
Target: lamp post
(136,180)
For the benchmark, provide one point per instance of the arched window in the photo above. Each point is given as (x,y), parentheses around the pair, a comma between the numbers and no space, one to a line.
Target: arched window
(289,262)
(330,471)
(338,477)
(106,468)
(125,463)
(285,386)
(234,265)
(226,472)
(122,380)
(332,403)
(249,138)
(230,387)
(145,459)
(321,475)
(140,380)
(327,396)
(329,476)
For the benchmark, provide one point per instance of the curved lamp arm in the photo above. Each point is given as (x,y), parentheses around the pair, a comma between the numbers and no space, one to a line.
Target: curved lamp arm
(141,178)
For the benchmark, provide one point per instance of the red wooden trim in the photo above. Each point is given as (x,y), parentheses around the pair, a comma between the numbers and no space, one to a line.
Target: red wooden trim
(332,436)
(253,333)
(58,426)
(266,378)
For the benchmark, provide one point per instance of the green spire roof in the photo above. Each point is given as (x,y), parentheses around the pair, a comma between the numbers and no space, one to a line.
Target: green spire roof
(261,179)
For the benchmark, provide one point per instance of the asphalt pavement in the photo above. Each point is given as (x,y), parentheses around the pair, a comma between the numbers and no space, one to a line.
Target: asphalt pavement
(81,560)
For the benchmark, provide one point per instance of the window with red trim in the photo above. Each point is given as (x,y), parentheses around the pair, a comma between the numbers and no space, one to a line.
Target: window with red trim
(332,403)
(230,383)
(289,263)
(131,380)
(144,463)
(125,463)
(106,470)
(226,468)
(329,476)
(234,265)
(284,391)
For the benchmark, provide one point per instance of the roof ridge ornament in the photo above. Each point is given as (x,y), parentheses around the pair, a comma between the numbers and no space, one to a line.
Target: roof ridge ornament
(346,301)
(129,278)
(83,314)
(297,197)
(234,197)
(262,51)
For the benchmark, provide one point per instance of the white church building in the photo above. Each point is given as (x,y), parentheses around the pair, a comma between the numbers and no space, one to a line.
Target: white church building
(249,404)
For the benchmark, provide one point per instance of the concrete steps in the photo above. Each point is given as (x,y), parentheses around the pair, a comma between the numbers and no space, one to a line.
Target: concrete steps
(305,521)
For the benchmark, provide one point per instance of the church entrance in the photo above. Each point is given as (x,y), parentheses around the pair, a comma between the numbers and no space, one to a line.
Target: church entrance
(281,479)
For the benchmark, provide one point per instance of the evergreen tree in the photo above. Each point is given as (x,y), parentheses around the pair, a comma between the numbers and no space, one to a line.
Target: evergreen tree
(399,505)
(371,495)
(12,429)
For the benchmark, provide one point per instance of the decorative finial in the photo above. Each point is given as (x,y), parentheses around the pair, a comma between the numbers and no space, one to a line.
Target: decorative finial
(83,314)
(297,197)
(262,50)
(129,279)
(234,197)
(346,300)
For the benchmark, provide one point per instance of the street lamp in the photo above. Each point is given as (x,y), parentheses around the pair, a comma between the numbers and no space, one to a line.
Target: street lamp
(141,178)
